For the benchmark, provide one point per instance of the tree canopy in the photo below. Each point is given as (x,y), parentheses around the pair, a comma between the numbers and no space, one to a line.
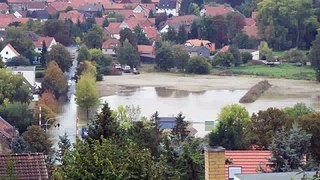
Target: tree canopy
(54,80)
(37,140)
(61,56)
(127,54)
(94,37)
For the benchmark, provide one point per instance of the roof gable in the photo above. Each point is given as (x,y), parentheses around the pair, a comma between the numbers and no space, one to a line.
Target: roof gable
(48,40)
(10,47)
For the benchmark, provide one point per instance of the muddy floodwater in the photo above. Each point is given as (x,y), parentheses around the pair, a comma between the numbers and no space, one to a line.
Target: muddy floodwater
(198,107)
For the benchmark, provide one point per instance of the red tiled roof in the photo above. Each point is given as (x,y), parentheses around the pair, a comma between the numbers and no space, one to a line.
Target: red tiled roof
(7,16)
(60,6)
(25,166)
(113,28)
(251,31)
(17,1)
(51,10)
(36,5)
(114,6)
(74,16)
(249,161)
(38,43)
(99,20)
(145,49)
(6,129)
(249,21)
(4,7)
(151,33)
(4,22)
(218,10)
(110,44)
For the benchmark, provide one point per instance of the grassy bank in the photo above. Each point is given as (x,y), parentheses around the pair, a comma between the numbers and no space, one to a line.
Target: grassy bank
(285,70)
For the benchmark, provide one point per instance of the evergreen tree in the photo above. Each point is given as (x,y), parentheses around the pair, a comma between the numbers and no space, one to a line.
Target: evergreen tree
(127,54)
(105,22)
(171,34)
(18,145)
(182,35)
(43,54)
(151,15)
(194,30)
(141,36)
(164,58)
(64,144)
(180,129)
(314,56)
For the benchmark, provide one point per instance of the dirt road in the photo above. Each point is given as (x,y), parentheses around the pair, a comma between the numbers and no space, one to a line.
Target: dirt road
(195,83)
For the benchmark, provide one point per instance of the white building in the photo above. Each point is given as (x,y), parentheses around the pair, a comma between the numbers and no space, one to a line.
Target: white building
(255,55)
(8,52)
(168,7)
(28,72)
(50,41)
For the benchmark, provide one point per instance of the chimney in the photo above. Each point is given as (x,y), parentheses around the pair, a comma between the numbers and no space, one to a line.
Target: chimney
(214,163)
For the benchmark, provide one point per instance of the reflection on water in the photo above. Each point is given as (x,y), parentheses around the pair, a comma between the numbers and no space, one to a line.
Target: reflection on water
(197,107)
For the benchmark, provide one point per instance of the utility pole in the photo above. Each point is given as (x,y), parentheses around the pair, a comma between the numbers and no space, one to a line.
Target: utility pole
(40,116)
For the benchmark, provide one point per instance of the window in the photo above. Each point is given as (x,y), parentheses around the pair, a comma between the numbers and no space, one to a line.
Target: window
(233,171)
(7,52)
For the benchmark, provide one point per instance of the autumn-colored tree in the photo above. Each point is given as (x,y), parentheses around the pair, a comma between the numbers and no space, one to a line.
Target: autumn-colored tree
(49,100)
(46,112)
(54,80)
(37,140)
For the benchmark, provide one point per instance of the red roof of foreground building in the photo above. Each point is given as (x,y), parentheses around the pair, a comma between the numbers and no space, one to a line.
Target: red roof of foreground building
(74,16)
(251,31)
(249,161)
(99,20)
(25,166)
(113,28)
(146,49)
(218,10)
(151,33)
(38,43)
(110,44)
(5,21)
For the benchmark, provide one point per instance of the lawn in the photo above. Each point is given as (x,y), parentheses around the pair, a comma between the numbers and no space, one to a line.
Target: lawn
(287,71)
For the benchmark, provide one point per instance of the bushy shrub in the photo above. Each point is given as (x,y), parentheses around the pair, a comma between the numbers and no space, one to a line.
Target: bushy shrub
(199,65)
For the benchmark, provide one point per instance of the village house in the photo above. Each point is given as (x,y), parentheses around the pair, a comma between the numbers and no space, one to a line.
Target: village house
(195,51)
(151,33)
(216,10)
(176,21)
(26,166)
(250,27)
(38,43)
(131,23)
(146,53)
(8,52)
(91,10)
(35,6)
(197,43)
(170,7)
(4,8)
(73,16)
(28,72)
(7,133)
(16,5)
(113,30)
(108,47)
(5,21)
(20,14)
(145,9)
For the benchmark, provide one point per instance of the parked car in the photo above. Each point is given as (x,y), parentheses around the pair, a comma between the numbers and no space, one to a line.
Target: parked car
(127,69)
(135,71)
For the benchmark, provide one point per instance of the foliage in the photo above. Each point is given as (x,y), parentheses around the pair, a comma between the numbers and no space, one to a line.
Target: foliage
(54,80)
(64,145)
(247,7)
(49,100)
(297,110)
(236,55)
(171,34)
(288,149)
(57,29)
(223,59)
(94,37)
(104,125)
(181,57)
(18,61)
(127,54)
(61,56)
(18,145)
(1,62)
(164,58)
(87,95)
(295,56)
(314,56)
(230,130)
(283,70)
(83,54)
(44,53)
(311,124)
(20,42)
(37,140)
(126,33)
(265,51)
(246,57)
(12,87)
(180,129)
(194,9)
(126,115)
(182,35)
(46,112)
(264,125)
(141,36)
(109,160)
(105,22)
(243,41)
(199,65)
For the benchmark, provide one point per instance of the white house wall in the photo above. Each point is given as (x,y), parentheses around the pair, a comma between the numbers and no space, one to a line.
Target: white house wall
(7,53)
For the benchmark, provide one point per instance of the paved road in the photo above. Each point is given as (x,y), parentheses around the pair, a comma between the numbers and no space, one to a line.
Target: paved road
(68,116)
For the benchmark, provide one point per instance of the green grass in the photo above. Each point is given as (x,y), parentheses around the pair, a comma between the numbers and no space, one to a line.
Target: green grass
(287,71)
(283,53)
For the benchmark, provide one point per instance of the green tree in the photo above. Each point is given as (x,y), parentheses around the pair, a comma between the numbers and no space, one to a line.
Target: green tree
(19,145)
(94,37)
(295,56)
(64,145)
(223,59)
(104,125)
(61,56)
(180,129)
(87,95)
(182,35)
(126,33)
(247,7)
(141,36)
(194,9)
(57,29)
(236,55)
(164,58)
(18,61)
(127,54)
(84,54)
(199,65)
(109,160)
(54,80)
(265,51)
(44,53)
(288,149)
(37,140)
(314,56)
(194,34)
(12,87)
(242,41)
(181,57)
(1,62)
(171,34)
(230,130)
(18,39)
(264,125)
(105,22)
(298,110)
(18,115)
(246,57)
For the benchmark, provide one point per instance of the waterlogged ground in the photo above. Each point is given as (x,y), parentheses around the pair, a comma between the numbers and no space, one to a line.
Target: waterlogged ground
(200,98)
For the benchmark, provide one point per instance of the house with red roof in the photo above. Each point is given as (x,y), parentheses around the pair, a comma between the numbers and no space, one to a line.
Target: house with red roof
(251,28)
(7,133)
(216,10)
(73,16)
(35,5)
(151,33)
(5,21)
(4,8)
(198,42)
(170,7)
(112,31)
(99,20)
(133,22)
(144,8)
(176,21)
(18,4)
(146,50)
(38,43)
(109,46)
(8,52)
(59,6)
